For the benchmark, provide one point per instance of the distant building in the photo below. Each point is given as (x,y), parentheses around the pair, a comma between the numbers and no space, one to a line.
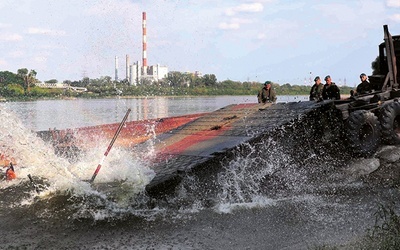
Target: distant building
(198,74)
(158,72)
(60,86)
(136,72)
(152,73)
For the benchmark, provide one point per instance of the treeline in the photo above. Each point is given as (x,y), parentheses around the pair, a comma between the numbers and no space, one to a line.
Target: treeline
(23,85)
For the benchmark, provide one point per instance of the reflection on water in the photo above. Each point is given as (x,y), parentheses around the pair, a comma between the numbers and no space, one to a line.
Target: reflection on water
(61,114)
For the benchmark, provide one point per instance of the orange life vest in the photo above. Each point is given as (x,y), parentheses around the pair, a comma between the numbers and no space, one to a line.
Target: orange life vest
(10,175)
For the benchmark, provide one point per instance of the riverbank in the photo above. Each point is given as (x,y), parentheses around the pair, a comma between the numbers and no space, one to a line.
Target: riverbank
(146,91)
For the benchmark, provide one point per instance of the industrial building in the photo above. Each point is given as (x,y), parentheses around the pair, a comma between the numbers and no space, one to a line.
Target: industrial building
(137,71)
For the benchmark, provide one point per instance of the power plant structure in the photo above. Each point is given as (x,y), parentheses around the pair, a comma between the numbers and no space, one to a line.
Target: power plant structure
(137,71)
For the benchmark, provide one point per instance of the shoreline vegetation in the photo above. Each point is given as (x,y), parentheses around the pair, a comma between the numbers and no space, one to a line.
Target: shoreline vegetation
(23,86)
(16,93)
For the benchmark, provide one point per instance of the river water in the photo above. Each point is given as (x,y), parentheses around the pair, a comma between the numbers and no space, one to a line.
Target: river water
(307,204)
(62,114)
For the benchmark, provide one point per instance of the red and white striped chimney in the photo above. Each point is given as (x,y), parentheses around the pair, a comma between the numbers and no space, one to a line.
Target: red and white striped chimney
(144,43)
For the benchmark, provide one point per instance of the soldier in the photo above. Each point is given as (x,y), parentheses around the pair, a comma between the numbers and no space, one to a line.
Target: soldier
(266,94)
(316,90)
(364,87)
(330,90)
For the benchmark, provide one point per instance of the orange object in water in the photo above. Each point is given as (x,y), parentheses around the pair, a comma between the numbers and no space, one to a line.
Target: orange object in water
(10,175)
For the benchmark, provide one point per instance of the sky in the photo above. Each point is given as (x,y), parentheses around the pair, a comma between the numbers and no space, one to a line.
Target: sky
(282,41)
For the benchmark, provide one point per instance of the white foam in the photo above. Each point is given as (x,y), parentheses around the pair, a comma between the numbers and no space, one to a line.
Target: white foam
(257,202)
(37,158)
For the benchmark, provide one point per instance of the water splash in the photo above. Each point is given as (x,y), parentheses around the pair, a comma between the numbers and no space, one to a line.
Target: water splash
(63,178)
(256,175)
(244,179)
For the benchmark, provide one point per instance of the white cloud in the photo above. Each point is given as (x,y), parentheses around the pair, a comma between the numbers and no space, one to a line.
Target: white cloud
(248,8)
(395,17)
(234,23)
(393,3)
(10,37)
(41,31)
(229,26)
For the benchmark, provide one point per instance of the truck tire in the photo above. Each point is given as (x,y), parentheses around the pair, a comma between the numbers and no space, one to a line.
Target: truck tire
(363,133)
(390,123)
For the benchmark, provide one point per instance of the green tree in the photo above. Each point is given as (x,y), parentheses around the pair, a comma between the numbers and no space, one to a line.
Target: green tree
(175,78)
(85,81)
(29,78)
(210,79)
(7,77)
(52,81)
(191,79)
(145,81)
(13,90)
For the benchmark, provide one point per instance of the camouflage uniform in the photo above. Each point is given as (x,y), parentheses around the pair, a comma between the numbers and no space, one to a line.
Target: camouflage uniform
(316,92)
(266,95)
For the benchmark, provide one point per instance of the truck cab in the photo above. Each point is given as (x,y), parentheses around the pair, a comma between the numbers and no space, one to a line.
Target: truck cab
(374,118)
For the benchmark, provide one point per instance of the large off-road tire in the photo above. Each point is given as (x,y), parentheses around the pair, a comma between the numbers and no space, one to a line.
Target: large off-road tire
(363,133)
(390,123)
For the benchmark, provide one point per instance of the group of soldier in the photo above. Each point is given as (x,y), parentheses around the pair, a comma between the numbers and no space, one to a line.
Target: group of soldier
(319,91)
(329,91)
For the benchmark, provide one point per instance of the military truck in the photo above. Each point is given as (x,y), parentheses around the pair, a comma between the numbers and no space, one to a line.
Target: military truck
(374,118)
